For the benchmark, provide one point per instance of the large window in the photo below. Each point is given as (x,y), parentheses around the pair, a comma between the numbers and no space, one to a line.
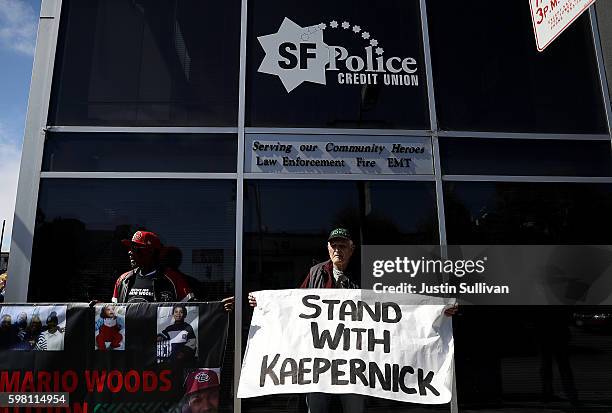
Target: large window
(523,157)
(489,76)
(138,152)
(528,213)
(147,63)
(363,47)
(286,224)
(531,358)
(77,250)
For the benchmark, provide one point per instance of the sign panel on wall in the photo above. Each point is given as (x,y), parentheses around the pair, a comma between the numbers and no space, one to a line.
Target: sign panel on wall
(338,154)
(551,17)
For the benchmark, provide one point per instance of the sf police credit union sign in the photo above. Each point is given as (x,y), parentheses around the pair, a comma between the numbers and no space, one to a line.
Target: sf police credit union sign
(299,54)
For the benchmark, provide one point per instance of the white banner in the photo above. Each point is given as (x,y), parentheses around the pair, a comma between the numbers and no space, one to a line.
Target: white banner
(392,346)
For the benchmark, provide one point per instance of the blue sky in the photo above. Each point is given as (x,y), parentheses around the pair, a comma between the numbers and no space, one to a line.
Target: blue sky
(18,25)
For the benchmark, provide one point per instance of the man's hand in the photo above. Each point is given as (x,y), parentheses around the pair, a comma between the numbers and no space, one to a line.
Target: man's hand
(228,304)
(252,300)
(451,311)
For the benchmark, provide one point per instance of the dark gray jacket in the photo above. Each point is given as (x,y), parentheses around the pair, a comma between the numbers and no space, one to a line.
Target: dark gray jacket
(322,276)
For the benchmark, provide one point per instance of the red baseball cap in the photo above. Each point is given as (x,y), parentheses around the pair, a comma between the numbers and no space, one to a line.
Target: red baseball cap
(201,379)
(143,239)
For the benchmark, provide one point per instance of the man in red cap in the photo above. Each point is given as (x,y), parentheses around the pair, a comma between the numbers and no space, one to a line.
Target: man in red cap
(201,392)
(148,281)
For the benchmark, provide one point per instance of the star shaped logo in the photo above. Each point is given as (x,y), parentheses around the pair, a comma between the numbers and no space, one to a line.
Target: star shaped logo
(290,39)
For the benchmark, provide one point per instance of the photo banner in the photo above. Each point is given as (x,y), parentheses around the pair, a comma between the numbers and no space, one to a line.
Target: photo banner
(391,346)
(154,357)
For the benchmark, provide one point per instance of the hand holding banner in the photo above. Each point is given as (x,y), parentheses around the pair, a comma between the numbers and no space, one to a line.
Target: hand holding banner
(392,346)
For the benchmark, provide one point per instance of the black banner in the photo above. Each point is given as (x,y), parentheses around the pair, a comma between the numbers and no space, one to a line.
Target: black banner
(144,357)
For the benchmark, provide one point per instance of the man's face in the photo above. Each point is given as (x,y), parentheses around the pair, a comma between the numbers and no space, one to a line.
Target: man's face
(142,256)
(178,314)
(205,401)
(340,251)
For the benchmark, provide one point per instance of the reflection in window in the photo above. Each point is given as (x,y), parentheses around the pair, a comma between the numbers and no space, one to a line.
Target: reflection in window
(286,225)
(147,63)
(77,254)
(527,213)
(488,74)
(354,94)
(286,228)
(80,224)
(138,152)
(530,357)
(469,156)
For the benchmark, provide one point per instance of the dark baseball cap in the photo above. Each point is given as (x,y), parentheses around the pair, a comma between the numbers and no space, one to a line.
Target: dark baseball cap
(143,239)
(340,233)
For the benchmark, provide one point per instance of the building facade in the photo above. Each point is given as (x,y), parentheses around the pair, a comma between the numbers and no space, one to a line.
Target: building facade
(243,131)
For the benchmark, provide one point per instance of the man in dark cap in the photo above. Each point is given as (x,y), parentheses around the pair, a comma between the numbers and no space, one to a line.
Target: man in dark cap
(333,273)
(147,281)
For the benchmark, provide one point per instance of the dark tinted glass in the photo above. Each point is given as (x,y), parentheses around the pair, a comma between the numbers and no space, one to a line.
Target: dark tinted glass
(528,213)
(136,152)
(147,63)
(389,33)
(531,358)
(77,253)
(488,74)
(286,228)
(525,157)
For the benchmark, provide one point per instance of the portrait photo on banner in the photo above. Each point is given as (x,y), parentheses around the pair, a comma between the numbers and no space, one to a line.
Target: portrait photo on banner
(110,327)
(177,334)
(39,328)
(201,390)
